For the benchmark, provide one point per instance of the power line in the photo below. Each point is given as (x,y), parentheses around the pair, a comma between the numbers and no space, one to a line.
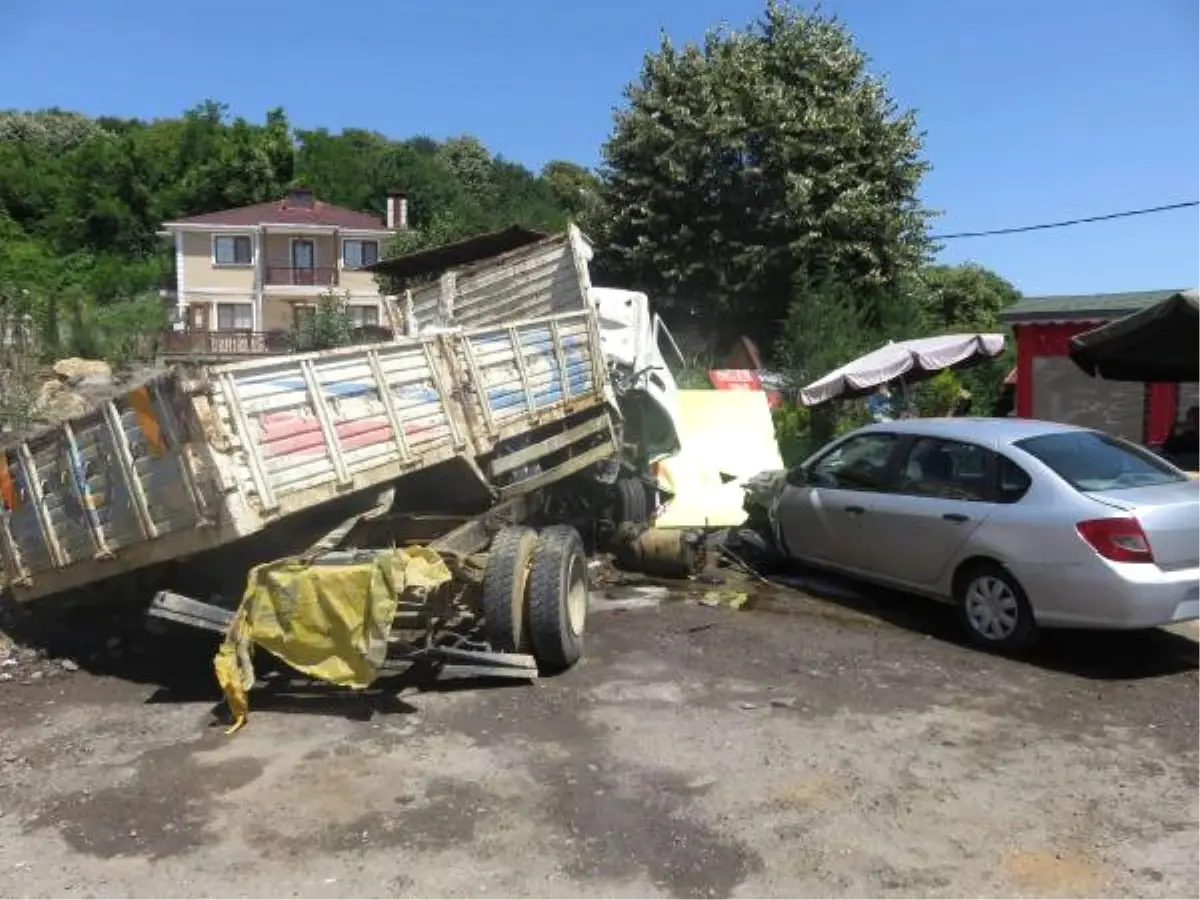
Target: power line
(1117,215)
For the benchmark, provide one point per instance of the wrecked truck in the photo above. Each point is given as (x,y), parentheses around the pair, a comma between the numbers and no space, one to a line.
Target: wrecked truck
(497,278)
(496,449)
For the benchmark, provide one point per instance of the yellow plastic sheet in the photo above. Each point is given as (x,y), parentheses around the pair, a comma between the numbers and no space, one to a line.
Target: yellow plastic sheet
(327,620)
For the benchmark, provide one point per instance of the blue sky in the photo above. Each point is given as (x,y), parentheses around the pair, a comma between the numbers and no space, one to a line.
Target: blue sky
(1035,111)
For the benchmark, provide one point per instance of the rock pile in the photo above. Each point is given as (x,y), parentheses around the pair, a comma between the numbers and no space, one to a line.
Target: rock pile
(76,385)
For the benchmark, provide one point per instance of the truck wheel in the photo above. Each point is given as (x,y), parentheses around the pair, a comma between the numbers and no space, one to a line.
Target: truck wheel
(505,580)
(632,503)
(558,598)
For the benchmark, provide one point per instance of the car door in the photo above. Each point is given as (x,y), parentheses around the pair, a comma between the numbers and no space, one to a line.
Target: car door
(940,496)
(821,509)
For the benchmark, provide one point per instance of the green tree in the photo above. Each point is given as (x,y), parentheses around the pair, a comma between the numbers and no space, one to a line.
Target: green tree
(330,325)
(965,297)
(755,158)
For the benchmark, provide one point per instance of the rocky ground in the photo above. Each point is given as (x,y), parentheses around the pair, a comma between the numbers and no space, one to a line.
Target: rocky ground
(794,746)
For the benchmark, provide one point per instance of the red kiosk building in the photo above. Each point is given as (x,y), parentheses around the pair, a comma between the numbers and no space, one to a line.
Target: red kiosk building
(1050,386)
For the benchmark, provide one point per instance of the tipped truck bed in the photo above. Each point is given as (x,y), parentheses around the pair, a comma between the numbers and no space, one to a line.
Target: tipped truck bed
(203,456)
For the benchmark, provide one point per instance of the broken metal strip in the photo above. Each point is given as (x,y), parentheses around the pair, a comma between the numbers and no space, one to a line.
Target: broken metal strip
(189,611)
(328,430)
(258,472)
(120,442)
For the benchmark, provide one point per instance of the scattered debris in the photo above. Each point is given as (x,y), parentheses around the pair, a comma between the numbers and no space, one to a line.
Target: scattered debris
(729,599)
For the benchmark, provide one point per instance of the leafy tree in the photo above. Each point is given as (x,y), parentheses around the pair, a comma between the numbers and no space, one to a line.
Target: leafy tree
(81,199)
(966,297)
(754,159)
(330,326)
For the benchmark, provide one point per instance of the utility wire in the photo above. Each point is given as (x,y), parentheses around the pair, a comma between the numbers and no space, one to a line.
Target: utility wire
(1117,215)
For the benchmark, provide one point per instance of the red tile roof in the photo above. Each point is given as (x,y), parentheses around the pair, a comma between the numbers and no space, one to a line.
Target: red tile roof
(279,212)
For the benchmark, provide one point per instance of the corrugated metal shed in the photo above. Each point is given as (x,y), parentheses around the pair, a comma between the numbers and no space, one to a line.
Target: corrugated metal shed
(1082,307)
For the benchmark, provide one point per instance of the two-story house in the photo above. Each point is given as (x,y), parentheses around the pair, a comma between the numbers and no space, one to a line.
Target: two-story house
(257,271)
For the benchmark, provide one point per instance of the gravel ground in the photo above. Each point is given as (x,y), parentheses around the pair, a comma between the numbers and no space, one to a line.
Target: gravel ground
(796,747)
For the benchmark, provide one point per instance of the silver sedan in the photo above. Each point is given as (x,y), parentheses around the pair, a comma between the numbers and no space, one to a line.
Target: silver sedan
(1022,524)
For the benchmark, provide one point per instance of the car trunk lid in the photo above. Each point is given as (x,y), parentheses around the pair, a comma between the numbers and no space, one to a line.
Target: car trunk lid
(1169,515)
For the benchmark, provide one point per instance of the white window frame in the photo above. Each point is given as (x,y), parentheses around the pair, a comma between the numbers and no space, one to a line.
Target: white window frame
(235,238)
(345,241)
(244,305)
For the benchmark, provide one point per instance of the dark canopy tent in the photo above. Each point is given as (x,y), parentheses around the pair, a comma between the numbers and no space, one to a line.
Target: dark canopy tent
(1158,344)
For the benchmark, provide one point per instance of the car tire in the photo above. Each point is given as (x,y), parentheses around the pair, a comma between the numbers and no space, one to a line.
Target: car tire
(632,503)
(558,598)
(505,589)
(994,609)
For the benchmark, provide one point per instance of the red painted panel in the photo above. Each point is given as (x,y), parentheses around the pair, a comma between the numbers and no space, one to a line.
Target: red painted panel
(1054,339)
(1161,403)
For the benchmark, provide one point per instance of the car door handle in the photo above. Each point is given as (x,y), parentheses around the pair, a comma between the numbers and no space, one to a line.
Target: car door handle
(855,510)
(955,517)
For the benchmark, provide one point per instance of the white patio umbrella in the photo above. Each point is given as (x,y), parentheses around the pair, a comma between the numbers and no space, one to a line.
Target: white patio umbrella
(910,361)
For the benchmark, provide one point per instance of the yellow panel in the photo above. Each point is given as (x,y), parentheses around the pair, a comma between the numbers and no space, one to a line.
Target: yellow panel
(724,433)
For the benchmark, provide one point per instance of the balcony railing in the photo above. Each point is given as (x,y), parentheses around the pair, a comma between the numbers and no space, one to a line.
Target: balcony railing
(233,344)
(322,276)
(225,343)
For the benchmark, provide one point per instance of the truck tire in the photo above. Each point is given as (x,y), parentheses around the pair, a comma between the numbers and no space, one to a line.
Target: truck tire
(632,503)
(505,588)
(558,598)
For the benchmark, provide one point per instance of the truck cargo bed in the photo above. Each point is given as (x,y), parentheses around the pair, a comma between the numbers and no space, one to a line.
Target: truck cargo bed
(202,456)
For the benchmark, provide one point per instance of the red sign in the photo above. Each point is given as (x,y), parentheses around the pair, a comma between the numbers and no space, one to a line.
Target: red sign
(735,379)
(742,380)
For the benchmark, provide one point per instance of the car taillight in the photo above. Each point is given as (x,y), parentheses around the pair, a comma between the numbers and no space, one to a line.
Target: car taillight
(1120,539)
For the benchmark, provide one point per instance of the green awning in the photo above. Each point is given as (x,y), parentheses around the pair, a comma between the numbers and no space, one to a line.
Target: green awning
(1159,343)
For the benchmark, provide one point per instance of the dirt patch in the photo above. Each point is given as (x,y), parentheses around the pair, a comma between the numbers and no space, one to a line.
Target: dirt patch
(1045,873)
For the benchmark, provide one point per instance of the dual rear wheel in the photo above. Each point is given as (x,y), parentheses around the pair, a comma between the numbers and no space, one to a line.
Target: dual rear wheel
(535,594)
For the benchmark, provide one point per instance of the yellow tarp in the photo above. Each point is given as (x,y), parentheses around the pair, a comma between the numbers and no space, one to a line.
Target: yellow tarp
(727,437)
(327,620)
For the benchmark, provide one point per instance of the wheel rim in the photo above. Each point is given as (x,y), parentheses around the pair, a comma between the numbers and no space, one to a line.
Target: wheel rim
(577,597)
(992,607)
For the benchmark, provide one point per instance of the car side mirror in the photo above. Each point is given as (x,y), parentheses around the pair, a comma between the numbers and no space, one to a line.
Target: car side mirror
(797,476)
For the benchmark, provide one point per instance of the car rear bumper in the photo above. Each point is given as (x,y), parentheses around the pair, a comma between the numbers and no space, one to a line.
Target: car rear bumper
(1116,595)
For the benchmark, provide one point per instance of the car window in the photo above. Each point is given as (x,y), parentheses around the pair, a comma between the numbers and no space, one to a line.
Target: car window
(1013,481)
(951,470)
(1094,461)
(858,464)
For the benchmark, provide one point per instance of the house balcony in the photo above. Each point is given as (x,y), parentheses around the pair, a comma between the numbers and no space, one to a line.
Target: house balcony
(289,276)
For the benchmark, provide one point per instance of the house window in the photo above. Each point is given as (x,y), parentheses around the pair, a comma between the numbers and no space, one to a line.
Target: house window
(235,317)
(356,253)
(364,316)
(232,250)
